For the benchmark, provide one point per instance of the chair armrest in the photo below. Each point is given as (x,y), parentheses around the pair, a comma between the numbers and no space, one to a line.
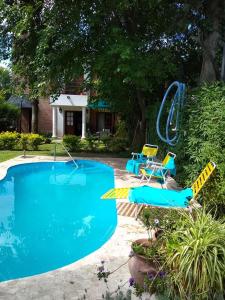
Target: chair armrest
(154,163)
(138,155)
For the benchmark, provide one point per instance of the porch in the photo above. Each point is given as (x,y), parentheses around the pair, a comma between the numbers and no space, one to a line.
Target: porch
(71,114)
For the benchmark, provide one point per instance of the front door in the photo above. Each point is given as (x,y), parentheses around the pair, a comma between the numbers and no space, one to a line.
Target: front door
(73,122)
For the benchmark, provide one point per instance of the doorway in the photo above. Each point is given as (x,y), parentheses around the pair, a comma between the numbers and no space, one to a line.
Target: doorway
(73,122)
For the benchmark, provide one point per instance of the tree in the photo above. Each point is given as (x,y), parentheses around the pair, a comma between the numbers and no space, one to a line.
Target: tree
(129,49)
(5,84)
(20,23)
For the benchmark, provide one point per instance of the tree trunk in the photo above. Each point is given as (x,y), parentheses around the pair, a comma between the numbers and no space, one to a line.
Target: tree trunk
(222,76)
(34,118)
(140,136)
(214,11)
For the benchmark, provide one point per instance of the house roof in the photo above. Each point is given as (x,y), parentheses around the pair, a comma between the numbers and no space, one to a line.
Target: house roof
(20,101)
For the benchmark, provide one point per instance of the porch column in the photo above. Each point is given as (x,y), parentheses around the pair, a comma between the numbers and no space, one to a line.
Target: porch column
(83,122)
(54,121)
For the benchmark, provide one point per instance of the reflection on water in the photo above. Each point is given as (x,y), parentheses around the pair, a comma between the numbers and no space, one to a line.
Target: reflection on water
(51,215)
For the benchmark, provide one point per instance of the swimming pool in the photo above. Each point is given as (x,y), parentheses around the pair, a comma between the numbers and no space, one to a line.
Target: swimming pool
(51,215)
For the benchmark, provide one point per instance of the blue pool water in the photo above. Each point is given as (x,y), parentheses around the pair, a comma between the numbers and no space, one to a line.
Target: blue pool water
(51,215)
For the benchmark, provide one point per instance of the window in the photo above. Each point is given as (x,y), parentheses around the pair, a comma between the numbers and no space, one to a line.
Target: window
(69,118)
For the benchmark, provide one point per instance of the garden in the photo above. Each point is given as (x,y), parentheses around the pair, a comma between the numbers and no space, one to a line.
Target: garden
(128,53)
(182,257)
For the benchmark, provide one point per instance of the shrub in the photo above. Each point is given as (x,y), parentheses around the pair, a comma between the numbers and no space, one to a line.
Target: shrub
(8,116)
(30,140)
(159,218)
(106,140)
(121,130)
(24,141)
(117,144)
(35,140)
(71,142)
(90,144)
(195,256)
(8,140)
(47,137)
(203,139)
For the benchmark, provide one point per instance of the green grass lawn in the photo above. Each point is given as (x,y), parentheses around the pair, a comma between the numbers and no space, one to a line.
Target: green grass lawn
(48,149)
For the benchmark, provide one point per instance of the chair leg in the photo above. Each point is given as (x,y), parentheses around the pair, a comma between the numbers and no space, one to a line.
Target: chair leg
(149,178)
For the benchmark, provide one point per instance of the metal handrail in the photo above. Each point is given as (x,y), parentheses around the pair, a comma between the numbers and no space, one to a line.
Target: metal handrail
(67,153)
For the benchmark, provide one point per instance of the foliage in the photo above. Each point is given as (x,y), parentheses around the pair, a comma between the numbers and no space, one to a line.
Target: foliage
(8,140)
(191,258)
(154,283)
(71,142)
(47,137)
(117,144)
(15,140)
(34,140)
(30,141)
(89,144)
(24,141)
(159,219)
(93,144)
(121,130)
(149,251)
(8,116)
(5,84)
(53,42)
(203,140)
(195,255)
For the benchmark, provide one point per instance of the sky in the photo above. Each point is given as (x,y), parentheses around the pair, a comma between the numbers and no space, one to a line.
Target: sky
(4,63)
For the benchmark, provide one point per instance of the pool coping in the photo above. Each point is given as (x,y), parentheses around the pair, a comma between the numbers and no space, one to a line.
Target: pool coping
(72,281)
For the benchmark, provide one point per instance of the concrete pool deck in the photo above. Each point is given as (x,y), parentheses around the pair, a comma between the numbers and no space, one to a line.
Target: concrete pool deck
(80,278)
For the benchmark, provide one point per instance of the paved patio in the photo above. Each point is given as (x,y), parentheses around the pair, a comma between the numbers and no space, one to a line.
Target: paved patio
(75,280)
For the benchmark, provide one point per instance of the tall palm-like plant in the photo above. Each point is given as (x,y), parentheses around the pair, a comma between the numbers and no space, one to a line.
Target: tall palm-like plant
(195,254)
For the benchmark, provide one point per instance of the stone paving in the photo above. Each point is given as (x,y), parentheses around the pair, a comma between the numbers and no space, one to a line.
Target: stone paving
(78,279)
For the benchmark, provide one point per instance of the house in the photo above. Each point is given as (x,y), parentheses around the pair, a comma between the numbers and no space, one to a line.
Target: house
(69,113)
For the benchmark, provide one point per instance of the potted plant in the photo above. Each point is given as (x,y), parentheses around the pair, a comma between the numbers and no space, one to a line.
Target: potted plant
(189,257)
(146,257)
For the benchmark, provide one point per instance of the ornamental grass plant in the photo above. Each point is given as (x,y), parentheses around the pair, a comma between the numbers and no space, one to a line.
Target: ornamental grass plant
(195,257)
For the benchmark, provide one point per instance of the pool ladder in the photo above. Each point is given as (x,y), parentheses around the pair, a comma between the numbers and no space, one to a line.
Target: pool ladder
(76,165)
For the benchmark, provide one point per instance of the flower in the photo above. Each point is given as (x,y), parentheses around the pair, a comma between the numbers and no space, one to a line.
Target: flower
(150,275)
(156,221)
(131,281)
(102,262)
(101,268)
(162,274)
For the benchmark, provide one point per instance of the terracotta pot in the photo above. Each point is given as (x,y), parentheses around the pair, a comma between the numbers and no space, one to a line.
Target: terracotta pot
(139,265)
